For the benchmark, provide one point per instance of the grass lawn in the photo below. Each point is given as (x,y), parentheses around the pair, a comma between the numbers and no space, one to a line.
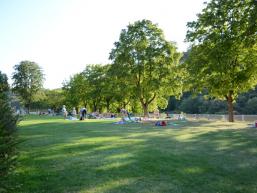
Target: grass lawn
(97,156)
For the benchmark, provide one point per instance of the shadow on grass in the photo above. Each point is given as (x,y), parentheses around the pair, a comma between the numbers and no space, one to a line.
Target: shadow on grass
(101,157)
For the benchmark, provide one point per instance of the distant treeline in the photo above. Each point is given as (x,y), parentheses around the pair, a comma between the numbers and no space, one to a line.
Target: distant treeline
(246,103)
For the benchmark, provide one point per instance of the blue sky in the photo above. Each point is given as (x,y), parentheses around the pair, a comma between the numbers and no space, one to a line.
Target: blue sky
(63,36)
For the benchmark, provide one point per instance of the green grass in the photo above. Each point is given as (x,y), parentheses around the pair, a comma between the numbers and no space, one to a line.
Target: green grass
(97,156)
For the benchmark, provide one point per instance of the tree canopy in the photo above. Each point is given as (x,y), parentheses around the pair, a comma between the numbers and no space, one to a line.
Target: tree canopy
(4,86)
(146,62)
(223,56)
(28,80)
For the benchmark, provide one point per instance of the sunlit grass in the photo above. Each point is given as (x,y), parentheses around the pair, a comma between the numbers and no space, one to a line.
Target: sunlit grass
(97,156)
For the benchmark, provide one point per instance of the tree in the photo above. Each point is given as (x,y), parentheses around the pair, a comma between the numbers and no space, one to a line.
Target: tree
(109,87)
(4,86)
(8,140)
(145,61)
(76,90)
(28,80)
(94,87)
(223,55)
(54,98)
(121,89)
(96,76)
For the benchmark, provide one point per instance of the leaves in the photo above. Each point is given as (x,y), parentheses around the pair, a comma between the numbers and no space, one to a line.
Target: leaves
(221,57)
(144,61)
(8,139)
(28,80)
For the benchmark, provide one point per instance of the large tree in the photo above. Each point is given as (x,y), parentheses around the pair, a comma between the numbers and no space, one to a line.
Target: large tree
(223,56)
(28,80)
(144,60)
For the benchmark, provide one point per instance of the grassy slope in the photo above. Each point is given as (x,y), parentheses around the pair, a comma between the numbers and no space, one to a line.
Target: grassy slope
(60,156)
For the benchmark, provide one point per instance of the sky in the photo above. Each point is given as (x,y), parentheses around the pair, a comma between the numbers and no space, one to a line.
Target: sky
(63,36)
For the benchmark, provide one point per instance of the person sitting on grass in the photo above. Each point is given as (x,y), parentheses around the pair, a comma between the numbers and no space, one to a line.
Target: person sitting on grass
(74,112)
(161,123)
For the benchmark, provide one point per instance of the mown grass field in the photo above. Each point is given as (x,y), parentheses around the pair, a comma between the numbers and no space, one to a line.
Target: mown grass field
(97,156)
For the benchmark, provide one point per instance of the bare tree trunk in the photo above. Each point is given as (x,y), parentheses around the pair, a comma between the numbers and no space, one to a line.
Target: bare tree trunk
(29,102)
(145,104)
(145,108)
(230,107)
(108,105)
(28,109)
(94,106)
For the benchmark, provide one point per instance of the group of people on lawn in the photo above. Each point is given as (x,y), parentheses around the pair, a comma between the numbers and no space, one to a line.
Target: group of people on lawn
(83,112)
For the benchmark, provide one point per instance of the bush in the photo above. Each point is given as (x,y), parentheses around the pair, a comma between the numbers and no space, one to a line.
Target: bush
(8,142)
(8,138)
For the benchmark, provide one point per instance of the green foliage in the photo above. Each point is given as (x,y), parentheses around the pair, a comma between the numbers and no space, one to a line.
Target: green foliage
(122,92)
(190,103)
(196,104)
(4,86)
(96,77)
(109,91)
(223,56)
(145,62)
(53,99)
(251,106)
(75,91)
(93,88)
(28,81)
(246,103)
(8,139)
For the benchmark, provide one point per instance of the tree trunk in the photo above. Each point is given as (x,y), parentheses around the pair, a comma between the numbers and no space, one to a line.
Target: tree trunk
(28,109)
(94,106)
(145,107)
(230,107)
(29,102)
(108,105)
